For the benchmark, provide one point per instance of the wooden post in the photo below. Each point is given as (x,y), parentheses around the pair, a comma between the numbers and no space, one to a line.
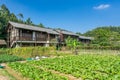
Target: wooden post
(16,35)
(47,40)
(8,37)
(35,39)
(20,37)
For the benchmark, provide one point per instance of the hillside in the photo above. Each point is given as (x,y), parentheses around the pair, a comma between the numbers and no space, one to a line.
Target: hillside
(105,36)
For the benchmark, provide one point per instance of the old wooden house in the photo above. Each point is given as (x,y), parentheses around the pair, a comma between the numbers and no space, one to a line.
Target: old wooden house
(25,35)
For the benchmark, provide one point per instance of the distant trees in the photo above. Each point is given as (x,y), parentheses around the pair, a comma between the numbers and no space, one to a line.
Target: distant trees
(28,21)
(78,33)
(20,17)
(102,37)
(105,36)
(41,25)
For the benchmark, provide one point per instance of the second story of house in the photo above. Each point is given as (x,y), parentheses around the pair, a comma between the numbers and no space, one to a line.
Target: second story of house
(18,31)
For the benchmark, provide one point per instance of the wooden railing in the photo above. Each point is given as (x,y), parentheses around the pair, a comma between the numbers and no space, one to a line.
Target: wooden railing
(25,38)
(41,39)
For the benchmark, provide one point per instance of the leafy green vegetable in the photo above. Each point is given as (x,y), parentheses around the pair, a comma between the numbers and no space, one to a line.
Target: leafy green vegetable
(9,58)
(86,66)
(35,73)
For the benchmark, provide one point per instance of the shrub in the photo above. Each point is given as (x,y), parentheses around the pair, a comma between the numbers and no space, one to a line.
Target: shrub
(31,51)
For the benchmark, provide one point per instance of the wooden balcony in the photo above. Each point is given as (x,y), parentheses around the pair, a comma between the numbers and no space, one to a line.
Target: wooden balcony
(41,39)
(25,38)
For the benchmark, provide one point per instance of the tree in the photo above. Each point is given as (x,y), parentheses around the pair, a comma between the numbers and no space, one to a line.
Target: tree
(5,16)
(78,33)
(13,17)
(102,37)
(4,10)
(72,44)
(28,21)
(20,17)
(41,25)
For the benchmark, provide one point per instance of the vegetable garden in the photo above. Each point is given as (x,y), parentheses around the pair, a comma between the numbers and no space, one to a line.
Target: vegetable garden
(35,73)
(85,66)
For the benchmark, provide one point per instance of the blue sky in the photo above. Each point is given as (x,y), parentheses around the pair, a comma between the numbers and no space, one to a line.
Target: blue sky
(73,15)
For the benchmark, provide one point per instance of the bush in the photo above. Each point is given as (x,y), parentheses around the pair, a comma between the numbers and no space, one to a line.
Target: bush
(97,46)
(3,50)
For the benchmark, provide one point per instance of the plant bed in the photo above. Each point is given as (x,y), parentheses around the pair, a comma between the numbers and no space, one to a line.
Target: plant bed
(85,66)
(35,73)
(9,58)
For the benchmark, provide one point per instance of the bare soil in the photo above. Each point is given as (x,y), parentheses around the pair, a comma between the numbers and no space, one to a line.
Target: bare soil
(4,77)
(70,77)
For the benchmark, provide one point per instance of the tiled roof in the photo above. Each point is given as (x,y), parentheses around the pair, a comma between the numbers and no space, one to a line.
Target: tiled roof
(84,37)
(34,28)
(66,32)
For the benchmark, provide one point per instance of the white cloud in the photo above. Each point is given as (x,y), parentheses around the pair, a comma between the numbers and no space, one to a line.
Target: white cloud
(102,6)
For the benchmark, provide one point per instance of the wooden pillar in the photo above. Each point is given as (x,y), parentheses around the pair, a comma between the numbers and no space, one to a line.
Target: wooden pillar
(48,40)
(8,37)
(20,37)
(15,35)
(35,38)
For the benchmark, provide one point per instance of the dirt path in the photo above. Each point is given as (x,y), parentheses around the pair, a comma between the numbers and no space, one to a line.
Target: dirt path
(4,77)
(70,77)
(18,76)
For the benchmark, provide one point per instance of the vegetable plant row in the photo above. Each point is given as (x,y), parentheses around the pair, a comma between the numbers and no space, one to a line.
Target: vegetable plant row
(85,66)
(9,58)
(35,73)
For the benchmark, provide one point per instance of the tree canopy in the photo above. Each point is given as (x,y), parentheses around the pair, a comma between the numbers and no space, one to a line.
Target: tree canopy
(105,36)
